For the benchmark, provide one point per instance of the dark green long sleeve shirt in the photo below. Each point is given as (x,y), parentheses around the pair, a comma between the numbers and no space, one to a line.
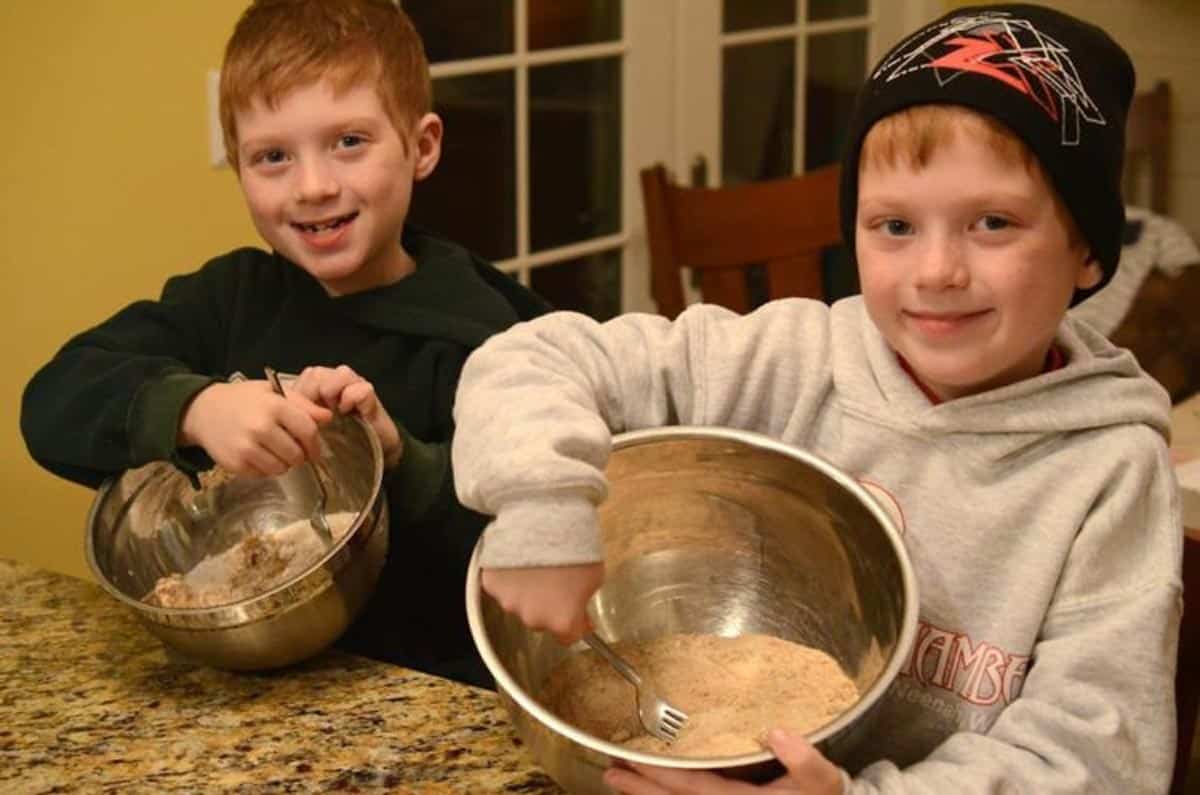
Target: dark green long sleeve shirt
(113,396)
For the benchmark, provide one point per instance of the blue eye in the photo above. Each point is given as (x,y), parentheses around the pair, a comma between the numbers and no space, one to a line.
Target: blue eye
(350,141)
(268,157)
(994,223)
(894,226)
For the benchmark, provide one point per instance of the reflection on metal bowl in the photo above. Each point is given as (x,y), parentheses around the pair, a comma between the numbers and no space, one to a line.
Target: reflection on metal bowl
(149,522)
(725,532)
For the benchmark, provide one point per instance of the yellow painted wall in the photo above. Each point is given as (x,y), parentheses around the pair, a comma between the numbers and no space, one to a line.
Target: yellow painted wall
(106,191)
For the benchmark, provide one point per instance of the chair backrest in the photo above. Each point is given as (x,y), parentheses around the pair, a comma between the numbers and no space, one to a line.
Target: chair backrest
(783,225)
(1161,326)
(1147,145)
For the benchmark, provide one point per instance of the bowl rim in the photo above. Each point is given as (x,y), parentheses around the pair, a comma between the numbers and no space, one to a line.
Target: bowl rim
(867,700)
(255,607)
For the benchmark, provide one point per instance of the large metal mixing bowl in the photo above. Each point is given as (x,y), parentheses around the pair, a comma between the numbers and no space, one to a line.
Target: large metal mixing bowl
(724,532)
(149,522)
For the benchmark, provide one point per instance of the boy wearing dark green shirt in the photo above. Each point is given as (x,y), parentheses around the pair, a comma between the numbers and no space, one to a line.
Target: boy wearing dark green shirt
(325,106)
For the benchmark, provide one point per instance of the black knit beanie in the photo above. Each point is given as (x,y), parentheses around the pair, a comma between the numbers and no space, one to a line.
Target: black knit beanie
(1063,86)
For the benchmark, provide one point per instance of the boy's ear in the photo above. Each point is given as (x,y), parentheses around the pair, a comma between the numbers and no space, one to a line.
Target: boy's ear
(1090,273)
(428,142)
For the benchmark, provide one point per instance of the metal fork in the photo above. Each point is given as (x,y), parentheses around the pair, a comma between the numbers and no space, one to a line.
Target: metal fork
(658,717)
(318,521)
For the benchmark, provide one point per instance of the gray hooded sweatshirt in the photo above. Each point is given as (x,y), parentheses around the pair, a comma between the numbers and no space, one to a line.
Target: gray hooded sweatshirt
(1042,518)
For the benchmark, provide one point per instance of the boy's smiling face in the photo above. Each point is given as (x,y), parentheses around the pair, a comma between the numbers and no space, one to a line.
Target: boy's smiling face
(967,265)
(328,181)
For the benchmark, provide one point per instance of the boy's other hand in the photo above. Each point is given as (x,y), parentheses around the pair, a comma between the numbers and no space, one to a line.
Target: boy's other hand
(343,390)
(247,429)
(549,598)
(808,773)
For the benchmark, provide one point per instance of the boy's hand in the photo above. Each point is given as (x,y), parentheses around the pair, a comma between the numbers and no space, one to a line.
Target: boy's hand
(249,430)
(550,598)
(343,390)
(808,773)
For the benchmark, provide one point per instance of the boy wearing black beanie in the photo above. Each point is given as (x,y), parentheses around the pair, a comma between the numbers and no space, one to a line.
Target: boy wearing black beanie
(1023,455)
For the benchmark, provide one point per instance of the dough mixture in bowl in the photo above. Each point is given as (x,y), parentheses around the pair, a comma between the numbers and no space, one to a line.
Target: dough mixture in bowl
(257,563)
(733,689)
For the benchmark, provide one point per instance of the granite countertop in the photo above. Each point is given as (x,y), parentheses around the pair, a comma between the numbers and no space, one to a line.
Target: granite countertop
(91,702)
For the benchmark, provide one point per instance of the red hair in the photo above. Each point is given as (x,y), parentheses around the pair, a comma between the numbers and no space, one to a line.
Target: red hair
(280,45)
(909,138)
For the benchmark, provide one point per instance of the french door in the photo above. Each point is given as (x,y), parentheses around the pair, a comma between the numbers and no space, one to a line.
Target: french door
(553,106)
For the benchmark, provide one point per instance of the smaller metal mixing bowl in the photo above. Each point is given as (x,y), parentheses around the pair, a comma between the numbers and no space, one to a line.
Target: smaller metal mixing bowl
(719,532)
(150,522)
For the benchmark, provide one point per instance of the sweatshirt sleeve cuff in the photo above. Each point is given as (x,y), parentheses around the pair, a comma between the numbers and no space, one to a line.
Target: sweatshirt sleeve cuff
(546,531)
(419,479)
(154,417)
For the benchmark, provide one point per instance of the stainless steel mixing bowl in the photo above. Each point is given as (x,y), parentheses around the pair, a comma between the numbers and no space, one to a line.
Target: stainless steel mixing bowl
(149,522)
(724,532)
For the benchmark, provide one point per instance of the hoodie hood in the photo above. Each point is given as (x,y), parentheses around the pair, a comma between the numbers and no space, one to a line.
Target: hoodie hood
(1008,420)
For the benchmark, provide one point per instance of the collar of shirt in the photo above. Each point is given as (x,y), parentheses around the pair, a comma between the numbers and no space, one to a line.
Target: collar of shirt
(1055,358)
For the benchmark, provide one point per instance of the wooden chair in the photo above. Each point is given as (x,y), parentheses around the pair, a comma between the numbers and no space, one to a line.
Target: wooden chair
(1147,145)
(1187,683)
(1162,327)
(783,225)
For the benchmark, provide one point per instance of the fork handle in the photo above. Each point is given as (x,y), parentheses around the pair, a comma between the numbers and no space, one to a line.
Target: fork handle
(277,387)
(614,659)
(318,521)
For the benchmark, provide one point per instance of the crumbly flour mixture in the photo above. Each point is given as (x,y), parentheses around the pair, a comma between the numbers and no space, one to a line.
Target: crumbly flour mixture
(733,689)
(255,564)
